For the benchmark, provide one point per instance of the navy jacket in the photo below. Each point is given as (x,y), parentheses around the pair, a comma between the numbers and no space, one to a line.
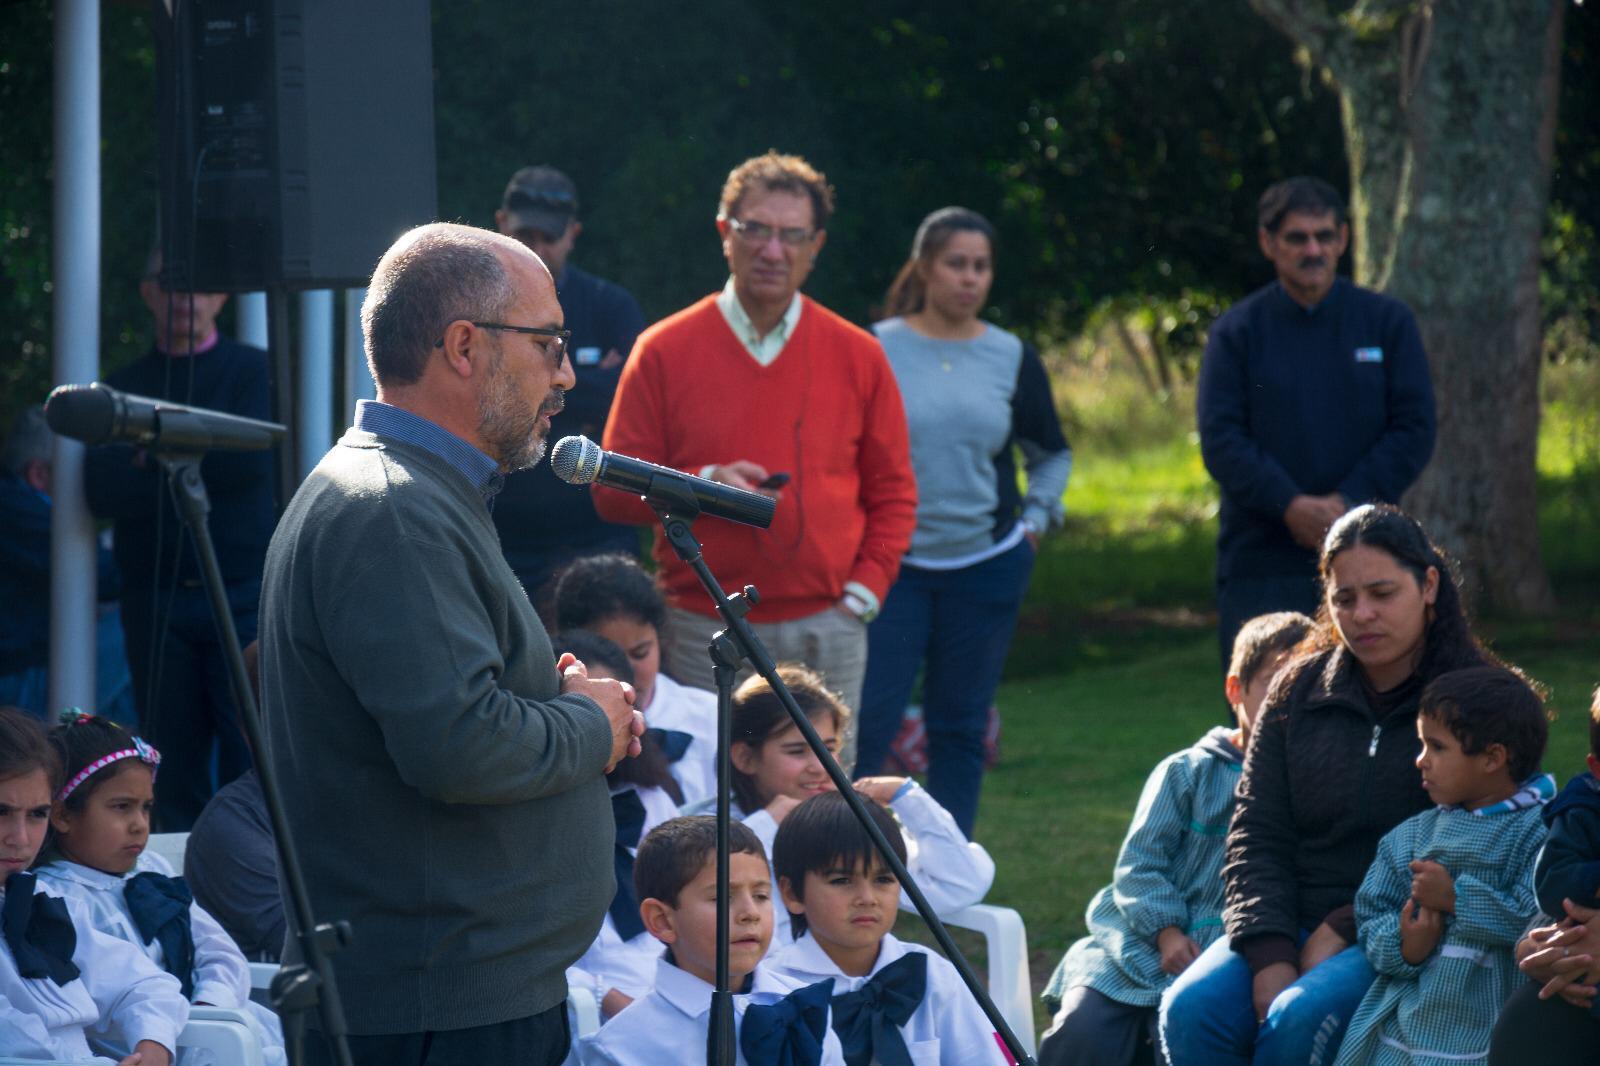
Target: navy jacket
(230,377)
(1291,401)
(539,516)
(1569,866)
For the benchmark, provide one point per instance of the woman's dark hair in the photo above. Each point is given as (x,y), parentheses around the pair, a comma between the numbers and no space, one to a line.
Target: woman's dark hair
(758,715)
(24,748)
(823,834)
(597,588)
(1447,640)
(1485,705)
(908,291)
(80,741)
(651,767)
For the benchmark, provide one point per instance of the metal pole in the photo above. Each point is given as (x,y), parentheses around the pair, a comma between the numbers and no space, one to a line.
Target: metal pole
(313,422)
(75,272)
(358,383)
(251,309)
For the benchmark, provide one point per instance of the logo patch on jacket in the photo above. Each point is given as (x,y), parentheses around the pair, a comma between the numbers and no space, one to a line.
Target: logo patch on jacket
(1369,355)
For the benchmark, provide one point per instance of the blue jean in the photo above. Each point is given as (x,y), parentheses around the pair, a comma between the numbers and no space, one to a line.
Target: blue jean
(1208,1017)
(955,626)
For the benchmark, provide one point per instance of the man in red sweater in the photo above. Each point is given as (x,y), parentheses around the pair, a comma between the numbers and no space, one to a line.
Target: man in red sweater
(755,382)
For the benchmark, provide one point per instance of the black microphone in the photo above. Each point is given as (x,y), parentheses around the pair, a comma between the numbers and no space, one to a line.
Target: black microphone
(99,414)
(581,461)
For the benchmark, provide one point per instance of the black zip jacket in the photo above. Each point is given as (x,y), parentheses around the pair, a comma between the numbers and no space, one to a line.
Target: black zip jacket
(1326,776)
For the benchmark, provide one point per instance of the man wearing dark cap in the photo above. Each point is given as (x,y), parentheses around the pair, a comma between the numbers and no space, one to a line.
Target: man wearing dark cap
(545,523)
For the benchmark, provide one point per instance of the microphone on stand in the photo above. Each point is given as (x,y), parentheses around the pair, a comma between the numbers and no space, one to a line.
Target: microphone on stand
(99,414)
(580,461)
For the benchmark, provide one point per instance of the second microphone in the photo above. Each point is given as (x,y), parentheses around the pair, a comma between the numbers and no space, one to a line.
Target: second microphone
(581,461)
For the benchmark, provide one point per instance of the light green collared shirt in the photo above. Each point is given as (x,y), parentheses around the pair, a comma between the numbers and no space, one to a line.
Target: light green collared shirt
(762,349)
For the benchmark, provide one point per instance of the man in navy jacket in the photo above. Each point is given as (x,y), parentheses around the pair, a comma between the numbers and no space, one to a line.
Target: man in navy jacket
(1314,398)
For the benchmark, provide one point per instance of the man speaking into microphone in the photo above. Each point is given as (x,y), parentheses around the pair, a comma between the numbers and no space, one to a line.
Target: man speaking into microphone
(761,388)
(452,801)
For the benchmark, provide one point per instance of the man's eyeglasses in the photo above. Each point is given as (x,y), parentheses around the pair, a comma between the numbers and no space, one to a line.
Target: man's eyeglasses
(555,351)
(1300,238)
(757,234)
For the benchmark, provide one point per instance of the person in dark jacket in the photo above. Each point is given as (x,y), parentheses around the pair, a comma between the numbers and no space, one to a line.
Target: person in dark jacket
(1569,867)
(179,665)
(1314,398)
(1330,770)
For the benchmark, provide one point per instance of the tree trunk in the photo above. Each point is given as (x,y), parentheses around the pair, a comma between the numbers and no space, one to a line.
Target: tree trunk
(1449,113)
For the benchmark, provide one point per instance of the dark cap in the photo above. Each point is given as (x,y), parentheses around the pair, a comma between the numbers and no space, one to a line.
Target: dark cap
(540,198)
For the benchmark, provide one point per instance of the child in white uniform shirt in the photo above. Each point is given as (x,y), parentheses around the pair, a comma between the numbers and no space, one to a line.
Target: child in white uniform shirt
(841,899)
(774,770)
(620,966)
(675,879)
(58,975)
(613,596)
(97,858)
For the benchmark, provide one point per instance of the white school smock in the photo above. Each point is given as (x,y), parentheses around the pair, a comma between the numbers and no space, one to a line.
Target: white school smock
(116,984)
(221,972)
(947,1029)
(952,871)
(669,1024)
(629,966)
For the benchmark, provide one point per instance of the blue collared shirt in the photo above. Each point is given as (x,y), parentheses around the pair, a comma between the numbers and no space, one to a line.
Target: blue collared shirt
(396,423)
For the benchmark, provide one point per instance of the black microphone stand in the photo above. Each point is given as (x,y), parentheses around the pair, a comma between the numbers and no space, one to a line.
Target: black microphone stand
(309,985)
(675,505)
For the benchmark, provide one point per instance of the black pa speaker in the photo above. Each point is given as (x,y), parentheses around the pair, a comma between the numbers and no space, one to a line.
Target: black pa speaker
(296,139)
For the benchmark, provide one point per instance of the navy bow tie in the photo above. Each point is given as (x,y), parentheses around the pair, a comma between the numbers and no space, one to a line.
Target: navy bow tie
(674,742)
(160,909)
(868,1020)
(628,810)
(39,931)
(789,1032)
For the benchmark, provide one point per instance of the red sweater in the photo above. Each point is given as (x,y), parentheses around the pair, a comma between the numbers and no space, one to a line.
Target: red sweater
(827,411)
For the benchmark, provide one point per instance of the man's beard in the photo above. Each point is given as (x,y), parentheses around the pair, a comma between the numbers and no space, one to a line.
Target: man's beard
(510,426)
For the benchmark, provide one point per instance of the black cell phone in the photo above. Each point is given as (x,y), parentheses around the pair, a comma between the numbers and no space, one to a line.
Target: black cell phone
(776,481)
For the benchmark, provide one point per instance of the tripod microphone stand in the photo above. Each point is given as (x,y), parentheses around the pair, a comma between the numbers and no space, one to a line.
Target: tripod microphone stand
(677,508)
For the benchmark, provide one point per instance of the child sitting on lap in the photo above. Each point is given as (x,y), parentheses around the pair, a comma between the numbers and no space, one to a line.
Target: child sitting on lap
(613,596)
(842,901)
(620,966)
(97,857)
(1164,905)
(675,879)
(774,770)
(1451,889)
(59,976)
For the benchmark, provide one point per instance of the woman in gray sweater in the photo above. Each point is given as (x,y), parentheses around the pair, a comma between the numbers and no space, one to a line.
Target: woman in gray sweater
(974,394)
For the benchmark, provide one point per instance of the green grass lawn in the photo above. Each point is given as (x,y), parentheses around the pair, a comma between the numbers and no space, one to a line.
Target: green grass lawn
(1115,663)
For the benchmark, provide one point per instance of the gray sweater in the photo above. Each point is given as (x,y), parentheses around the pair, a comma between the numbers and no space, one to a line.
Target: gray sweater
(445,798)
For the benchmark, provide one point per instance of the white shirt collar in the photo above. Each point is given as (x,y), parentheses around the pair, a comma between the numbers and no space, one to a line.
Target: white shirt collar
(763,350)
(691,996)
(805,956)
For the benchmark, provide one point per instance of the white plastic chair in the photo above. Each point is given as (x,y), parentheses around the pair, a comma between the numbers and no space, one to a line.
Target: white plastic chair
(170,846)
(1009,983)
(223,1032)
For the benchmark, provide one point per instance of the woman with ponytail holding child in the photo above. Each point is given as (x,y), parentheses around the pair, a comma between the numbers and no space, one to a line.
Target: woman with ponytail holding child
(1330,769)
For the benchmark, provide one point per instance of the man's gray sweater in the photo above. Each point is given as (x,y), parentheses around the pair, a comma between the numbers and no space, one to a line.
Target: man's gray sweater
(446,798)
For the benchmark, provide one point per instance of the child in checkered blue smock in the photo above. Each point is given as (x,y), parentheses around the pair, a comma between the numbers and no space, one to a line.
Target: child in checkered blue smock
(1451,889)
(1164,905)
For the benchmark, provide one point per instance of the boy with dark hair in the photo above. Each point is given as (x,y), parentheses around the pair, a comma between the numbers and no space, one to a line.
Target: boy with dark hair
(675,880)
(1569,867)
(1164,903)
(894,1002)
(1450,890)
